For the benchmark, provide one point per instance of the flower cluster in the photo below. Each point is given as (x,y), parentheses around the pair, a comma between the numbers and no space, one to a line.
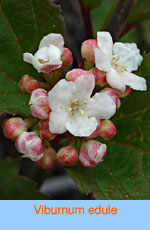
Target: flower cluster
(77,108)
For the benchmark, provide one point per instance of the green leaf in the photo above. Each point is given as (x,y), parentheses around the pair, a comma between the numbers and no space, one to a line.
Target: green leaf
(15,187)
(91,4)
(124,173)
(11,98)
(22,26)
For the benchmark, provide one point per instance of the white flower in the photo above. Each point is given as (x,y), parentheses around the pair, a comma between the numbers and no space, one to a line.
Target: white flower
(48,56)
(74,110)
(118,60)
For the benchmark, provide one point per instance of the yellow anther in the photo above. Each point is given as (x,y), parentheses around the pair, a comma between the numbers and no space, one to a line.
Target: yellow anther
(69,109)
(115,58)
(75,101)
(84,102)
(76,107)
(80,111)
(42,61)
(121,68)
(115,65)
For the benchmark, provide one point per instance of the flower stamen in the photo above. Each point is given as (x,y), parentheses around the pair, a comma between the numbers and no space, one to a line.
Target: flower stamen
(121,68)
(116,65)
(76,107)
(80,111)
(42,61)
(115,58)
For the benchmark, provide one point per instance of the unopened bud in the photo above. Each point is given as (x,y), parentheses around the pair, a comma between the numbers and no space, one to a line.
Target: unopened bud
(107,130)
(72,75)
(96,132)
(49,158)
(100,76)
(66,58)
(67,156)
(30,144)
(91,153)
(114,95)
(87,52)
(44,131)
(27,84)
(127,92)
(13,127)
(39,104)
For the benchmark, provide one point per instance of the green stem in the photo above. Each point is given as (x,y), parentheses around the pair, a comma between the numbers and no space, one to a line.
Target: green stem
(31,121)
(53,77)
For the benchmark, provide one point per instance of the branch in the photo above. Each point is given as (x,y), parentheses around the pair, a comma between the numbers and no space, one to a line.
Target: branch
(119,17)
(87,20)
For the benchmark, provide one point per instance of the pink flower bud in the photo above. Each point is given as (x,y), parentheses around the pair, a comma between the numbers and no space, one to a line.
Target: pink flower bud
(49,158)
(30,144)
(39,104)
(91,153)
(72,75)
(96,132)
(127,92)
(87,50)
(27,84)
(66,58)
(13,127)
(107,130)
(100,76)
(67,156)
(44,131)
(114,95)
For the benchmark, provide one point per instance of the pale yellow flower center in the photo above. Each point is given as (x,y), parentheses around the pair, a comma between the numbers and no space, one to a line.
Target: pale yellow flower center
(42,61)
(76,107)
(116,65)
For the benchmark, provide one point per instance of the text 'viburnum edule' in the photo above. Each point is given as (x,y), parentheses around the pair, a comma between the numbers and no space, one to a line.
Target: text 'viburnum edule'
(67,114)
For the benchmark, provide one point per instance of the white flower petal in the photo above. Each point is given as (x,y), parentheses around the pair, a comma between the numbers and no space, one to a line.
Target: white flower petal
(134,81)
(129,55)
(102,62)
(54,55)
(61,94)
(105,42)
(57,122)
(27,57)
(82,126)
(42,54)
(101,106)
(53,39)
(115,81)
(85,85)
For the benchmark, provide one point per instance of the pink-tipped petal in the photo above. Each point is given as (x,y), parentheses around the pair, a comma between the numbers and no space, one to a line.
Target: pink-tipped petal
(13,127)
(49,158)
(107,130)
(91,153)
(29,144)
(67,156)
(45,132)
